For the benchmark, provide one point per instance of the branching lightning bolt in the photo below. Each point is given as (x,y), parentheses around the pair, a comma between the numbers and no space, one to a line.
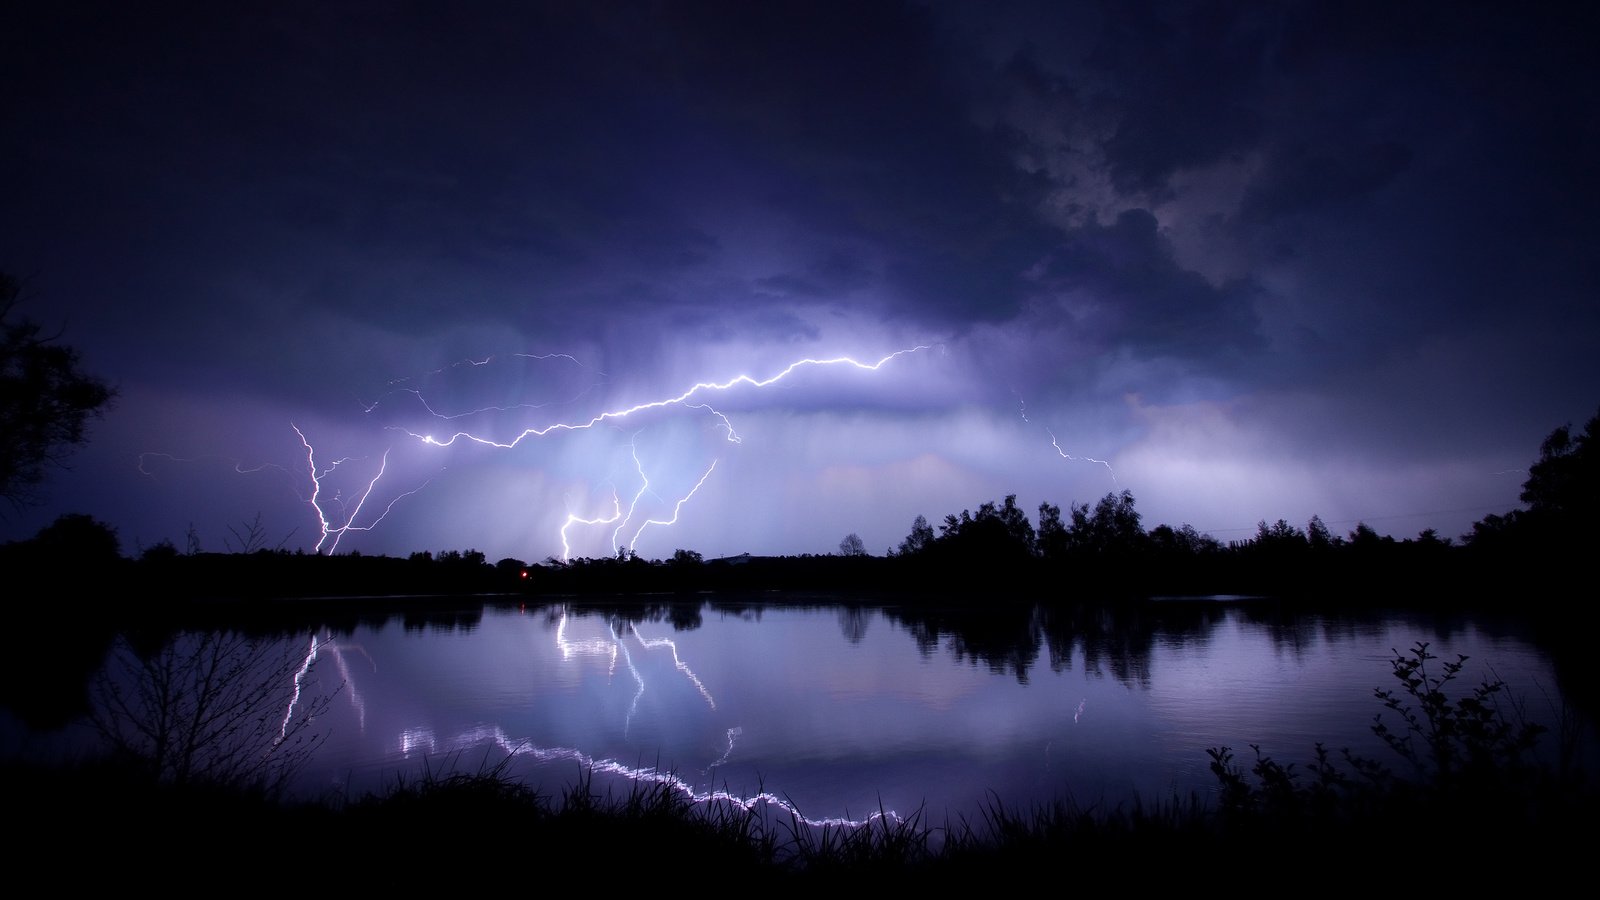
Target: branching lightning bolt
(329,529)
(680,399)
(314,650)
(678,663)
(575,519)
(621,520)
(617,516)
(733,436)
(337,515)
(675,508)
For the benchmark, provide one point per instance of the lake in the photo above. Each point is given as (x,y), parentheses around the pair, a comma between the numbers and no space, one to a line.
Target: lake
(838,711)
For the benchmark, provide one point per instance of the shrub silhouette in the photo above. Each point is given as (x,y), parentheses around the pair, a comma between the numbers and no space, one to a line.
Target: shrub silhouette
(1471,756)
(209,709)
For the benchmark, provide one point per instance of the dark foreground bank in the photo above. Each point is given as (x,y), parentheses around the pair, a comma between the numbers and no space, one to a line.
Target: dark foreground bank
(103,824)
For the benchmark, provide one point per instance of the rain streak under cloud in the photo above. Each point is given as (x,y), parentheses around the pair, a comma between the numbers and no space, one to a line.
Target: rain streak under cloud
(1245,262)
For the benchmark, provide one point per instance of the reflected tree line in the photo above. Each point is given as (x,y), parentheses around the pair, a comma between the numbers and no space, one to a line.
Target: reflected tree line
(1107,640)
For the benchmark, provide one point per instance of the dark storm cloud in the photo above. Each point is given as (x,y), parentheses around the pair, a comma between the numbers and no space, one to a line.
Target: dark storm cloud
(836,273)
(1305,178)
(1184,77)
(490,167)
(399,126)
(1120,286)
(860,133)
(1396,151)
(766,325)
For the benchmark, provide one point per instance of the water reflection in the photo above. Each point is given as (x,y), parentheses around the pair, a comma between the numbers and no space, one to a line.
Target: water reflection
(842,712)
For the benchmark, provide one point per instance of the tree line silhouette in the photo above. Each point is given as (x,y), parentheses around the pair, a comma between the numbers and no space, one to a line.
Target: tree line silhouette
(1102,551)
(1099,551)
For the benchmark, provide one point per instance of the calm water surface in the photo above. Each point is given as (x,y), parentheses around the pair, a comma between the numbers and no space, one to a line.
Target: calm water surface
(839,712)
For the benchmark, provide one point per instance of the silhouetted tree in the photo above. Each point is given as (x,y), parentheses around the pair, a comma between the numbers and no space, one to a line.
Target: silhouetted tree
(852,545)
(1562,492)
(919,540)
(1051,541)
(1493,530)
(1429,537)
(511,570)
(1318,535)
(1019,531)
(1280,536)
(45,400)
(251,536)
(1182,541)
(79,538)
(996,532)
(460,560)
(160,551)
(1365,538)
(1111,527)
(1563,487)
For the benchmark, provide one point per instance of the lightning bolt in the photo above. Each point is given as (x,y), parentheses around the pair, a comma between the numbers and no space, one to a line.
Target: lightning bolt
(615,648)
(733,436)
(633,507)
(676,508)
(1057,444)
(294,694)
(238,466)
(680,399)
(733,734)
(338,515)
(479,363)
(426,742)
(328,527)
(575,519)
(621,520)
(633,707)
(679,664)
(331,531)
(313,651)
(617,517)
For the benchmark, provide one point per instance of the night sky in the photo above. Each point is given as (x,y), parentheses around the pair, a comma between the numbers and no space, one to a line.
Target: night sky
(1247,261)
